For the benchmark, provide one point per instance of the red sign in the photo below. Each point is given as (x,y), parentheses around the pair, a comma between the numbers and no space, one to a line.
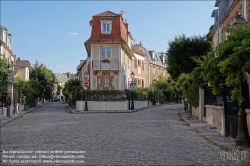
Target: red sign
(86,84)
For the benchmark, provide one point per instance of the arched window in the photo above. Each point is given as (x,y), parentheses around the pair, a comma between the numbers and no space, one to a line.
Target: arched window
(105,81)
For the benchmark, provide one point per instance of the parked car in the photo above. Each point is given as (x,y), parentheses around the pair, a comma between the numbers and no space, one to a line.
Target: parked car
(55,100)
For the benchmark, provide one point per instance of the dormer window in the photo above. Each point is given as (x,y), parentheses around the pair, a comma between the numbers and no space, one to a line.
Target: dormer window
(106,27)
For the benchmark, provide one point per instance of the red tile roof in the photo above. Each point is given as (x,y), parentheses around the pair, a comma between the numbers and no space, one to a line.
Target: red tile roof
(107,14)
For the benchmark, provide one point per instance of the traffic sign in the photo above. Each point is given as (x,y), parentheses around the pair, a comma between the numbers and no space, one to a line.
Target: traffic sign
(133,83)
(86,84)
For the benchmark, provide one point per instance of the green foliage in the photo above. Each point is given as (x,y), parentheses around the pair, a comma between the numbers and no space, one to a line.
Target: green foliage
(180,51)
(71,89)
(30,89)
(141,93)
(4,74)
(189,84)
(211,73)
(183,83)
(193,94)
(59,88)
(229,61)
(105,95)
(45,76)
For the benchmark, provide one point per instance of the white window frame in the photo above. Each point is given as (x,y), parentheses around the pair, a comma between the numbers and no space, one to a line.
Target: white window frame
(103,25)
(106,50)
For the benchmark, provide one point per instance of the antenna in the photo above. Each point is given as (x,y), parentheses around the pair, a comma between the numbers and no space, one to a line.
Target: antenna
(122,12)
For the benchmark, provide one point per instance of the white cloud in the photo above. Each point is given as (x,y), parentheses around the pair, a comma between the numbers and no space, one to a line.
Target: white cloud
(62,67)
(30,39)
(73,33)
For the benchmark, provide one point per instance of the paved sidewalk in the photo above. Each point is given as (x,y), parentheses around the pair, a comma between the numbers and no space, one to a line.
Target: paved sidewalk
(211,133)
(16,116)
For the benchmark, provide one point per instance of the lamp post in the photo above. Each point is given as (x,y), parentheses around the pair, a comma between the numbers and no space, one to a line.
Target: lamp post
(154,92)
(86,75)
(242,133)
(132,84)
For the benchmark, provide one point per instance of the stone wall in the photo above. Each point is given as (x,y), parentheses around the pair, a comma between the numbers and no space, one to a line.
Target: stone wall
(195,111)
(215,116)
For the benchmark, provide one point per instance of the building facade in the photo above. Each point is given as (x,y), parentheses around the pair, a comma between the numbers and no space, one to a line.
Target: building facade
(22,69)
(226,15)
(152,65)
(6,52)
(109,52)
(59,79)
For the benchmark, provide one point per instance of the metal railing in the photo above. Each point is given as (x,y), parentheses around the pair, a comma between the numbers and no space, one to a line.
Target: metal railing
(112,64)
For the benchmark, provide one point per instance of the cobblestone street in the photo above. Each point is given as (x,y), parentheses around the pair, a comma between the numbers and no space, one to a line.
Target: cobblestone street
(153,136)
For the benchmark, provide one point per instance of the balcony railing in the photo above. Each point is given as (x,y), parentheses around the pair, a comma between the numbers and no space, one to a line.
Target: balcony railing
(113,64)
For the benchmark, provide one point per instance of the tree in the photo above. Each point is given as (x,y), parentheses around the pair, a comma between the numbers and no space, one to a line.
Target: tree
(4,74)
(166,89)
(45,76)
(31,89)
(230,61)
(237,50)
(71,89)
(58,92)
(180,53)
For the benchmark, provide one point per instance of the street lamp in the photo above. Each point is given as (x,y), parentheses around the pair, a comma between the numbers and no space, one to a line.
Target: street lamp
(242,134)
(86,75)
(132,75)
(154,91)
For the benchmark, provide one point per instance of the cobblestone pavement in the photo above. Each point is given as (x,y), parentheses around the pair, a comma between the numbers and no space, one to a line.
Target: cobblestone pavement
(154,136)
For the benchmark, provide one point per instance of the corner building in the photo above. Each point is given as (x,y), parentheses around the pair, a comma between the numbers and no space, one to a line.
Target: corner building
(109,52)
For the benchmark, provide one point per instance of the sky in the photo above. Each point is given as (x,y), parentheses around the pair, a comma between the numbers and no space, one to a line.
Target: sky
(54,32)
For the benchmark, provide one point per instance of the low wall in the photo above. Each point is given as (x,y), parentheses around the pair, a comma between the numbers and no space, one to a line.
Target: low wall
(141,104)
(215,116)
(4,111)
(248,120)
(195,111)
(110,105)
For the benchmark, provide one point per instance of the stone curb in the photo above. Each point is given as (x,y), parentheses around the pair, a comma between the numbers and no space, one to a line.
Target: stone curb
(207,138)
(19,116)
(110,111)
(217,143)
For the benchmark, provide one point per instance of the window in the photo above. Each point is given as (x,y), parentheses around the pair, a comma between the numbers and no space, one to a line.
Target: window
(98,82)
(112,82)
(105,54)
(106,27)
(135,61)
(105,81)
(139,70)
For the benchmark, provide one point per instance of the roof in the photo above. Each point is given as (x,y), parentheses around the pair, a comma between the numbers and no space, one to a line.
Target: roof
(22,63)
(60,77)
(107,14)
(158,60)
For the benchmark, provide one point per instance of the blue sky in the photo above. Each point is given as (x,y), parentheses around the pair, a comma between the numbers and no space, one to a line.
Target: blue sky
(54,32)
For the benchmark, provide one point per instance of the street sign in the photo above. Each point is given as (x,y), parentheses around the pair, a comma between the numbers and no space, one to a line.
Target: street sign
(86,84)
(133,83)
